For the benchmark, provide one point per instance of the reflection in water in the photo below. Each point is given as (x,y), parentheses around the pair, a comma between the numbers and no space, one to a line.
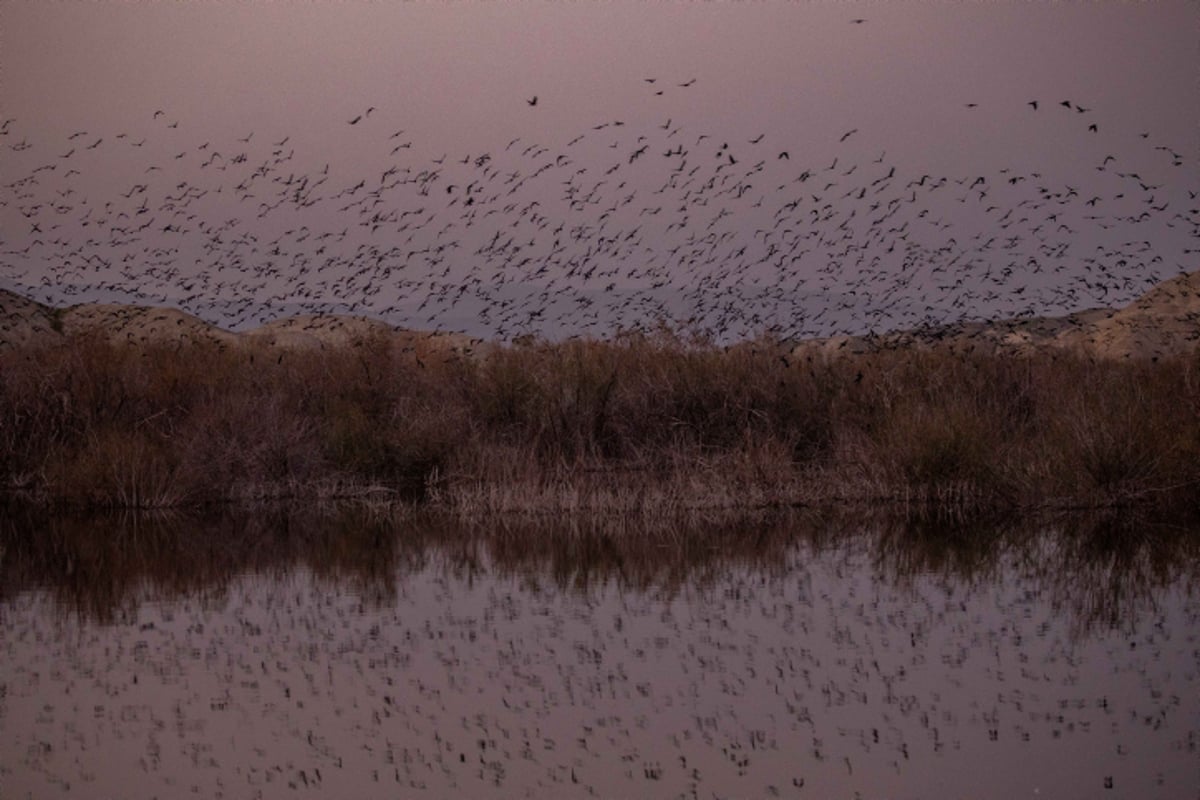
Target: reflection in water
(1102,571)
(104,567)
(352,655)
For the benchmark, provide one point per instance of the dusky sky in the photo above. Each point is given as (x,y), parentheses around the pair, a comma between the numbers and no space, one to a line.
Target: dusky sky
(734,167)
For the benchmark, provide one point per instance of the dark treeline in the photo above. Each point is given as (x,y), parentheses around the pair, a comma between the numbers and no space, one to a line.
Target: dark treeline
(646,423)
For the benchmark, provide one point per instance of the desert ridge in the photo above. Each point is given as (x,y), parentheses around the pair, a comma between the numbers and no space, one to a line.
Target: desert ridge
(27,323)
(140,324)
(1163,322)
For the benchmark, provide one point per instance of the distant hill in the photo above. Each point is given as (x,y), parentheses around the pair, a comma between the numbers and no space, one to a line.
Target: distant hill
(25,322)
(1163,321)
(140,324)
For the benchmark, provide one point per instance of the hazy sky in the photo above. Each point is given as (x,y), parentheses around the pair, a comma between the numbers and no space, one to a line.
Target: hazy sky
(493,199)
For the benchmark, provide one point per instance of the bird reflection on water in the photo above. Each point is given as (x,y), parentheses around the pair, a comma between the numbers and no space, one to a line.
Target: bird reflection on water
(295,652)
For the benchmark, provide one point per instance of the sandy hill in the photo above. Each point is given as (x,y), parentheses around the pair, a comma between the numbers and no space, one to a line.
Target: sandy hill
(24,322)
(317,331)
(1164,321)
(140,324)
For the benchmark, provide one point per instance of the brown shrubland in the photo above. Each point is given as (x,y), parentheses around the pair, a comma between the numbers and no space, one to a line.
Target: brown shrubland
(645,424)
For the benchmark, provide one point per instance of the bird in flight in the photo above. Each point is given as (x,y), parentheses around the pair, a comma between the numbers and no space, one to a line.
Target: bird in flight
(848,134)
(532,101)
(1033,103)
(857,21)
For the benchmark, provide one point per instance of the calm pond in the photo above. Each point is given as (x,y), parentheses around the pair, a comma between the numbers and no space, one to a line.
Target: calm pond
(321,654)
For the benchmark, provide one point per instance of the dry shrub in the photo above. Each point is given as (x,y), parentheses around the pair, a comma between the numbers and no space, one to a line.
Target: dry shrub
(1118,432)
(934,447)
(644,422)
(118,469)
(243,445)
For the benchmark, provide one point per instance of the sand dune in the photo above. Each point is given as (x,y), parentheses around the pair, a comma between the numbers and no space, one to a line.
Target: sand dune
(316,331)
(1164,321)
(140,324)
(319,331)
(26,322)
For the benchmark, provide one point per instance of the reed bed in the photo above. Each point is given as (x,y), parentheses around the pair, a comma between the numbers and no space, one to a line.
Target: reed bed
(654,425)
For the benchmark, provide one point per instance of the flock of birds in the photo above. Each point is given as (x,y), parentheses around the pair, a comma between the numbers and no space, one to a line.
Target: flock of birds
(619,227)
(821,677)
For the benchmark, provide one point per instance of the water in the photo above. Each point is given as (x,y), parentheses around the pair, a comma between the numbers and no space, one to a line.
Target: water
(304,654)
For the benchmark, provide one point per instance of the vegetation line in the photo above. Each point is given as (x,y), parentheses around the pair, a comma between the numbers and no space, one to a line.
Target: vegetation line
(646,424)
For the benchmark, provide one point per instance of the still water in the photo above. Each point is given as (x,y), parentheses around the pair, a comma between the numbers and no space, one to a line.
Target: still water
(304,654)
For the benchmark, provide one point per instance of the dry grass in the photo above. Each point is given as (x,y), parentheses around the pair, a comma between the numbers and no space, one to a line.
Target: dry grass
(653,425)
